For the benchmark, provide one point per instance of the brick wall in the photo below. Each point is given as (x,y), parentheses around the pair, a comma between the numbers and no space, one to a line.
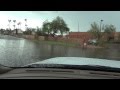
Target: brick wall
(86,36)
(63,39)
(29,36)
(41,38)
(80,35)
(117,36)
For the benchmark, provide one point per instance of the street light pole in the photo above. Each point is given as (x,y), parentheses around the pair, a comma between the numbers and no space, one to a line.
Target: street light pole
(100,27)
(100,24)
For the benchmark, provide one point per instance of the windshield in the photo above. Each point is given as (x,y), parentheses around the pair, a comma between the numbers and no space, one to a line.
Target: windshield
(28,37)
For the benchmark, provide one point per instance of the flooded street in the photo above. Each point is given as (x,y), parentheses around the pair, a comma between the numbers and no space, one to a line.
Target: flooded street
(17,52)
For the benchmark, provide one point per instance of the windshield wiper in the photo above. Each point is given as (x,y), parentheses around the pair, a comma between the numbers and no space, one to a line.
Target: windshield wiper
(79,67)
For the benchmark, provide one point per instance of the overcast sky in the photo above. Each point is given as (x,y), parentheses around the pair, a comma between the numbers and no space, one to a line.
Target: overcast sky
(72,18)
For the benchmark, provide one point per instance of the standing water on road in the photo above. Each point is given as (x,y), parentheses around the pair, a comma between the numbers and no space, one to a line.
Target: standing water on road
(16,52)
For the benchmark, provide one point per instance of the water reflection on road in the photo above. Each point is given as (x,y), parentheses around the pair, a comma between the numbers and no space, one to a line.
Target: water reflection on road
(18,52)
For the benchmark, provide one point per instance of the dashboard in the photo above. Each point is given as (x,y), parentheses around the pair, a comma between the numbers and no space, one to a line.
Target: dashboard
(52,73)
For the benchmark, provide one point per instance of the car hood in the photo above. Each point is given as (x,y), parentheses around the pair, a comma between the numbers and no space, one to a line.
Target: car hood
(80,61)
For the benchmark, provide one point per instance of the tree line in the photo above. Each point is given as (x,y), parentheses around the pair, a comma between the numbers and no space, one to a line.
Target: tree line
(57,25)
(100,31)
(15,22)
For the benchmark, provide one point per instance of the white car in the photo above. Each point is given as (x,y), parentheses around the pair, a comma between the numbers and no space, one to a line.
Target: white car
(92,41)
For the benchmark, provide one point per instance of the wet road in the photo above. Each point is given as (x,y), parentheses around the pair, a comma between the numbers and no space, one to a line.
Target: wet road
(16,52)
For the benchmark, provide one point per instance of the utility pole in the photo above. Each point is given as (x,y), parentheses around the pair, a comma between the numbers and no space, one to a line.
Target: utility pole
(101,25)
(78,32)
(78,26)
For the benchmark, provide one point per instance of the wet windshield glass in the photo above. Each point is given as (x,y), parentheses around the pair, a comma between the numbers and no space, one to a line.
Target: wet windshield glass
(31,36)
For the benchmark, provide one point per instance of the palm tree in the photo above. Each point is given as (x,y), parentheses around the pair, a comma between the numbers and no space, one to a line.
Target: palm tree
(14,23)
(9,23)
(26,23)
(19,25)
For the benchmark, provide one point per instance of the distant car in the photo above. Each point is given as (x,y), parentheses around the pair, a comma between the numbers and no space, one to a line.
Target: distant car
(92,41)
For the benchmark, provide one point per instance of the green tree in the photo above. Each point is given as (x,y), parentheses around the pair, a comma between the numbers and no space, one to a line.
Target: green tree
(46,27)
(95,30)
(29,31)
(39,32)
(109,31)
(58,24)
